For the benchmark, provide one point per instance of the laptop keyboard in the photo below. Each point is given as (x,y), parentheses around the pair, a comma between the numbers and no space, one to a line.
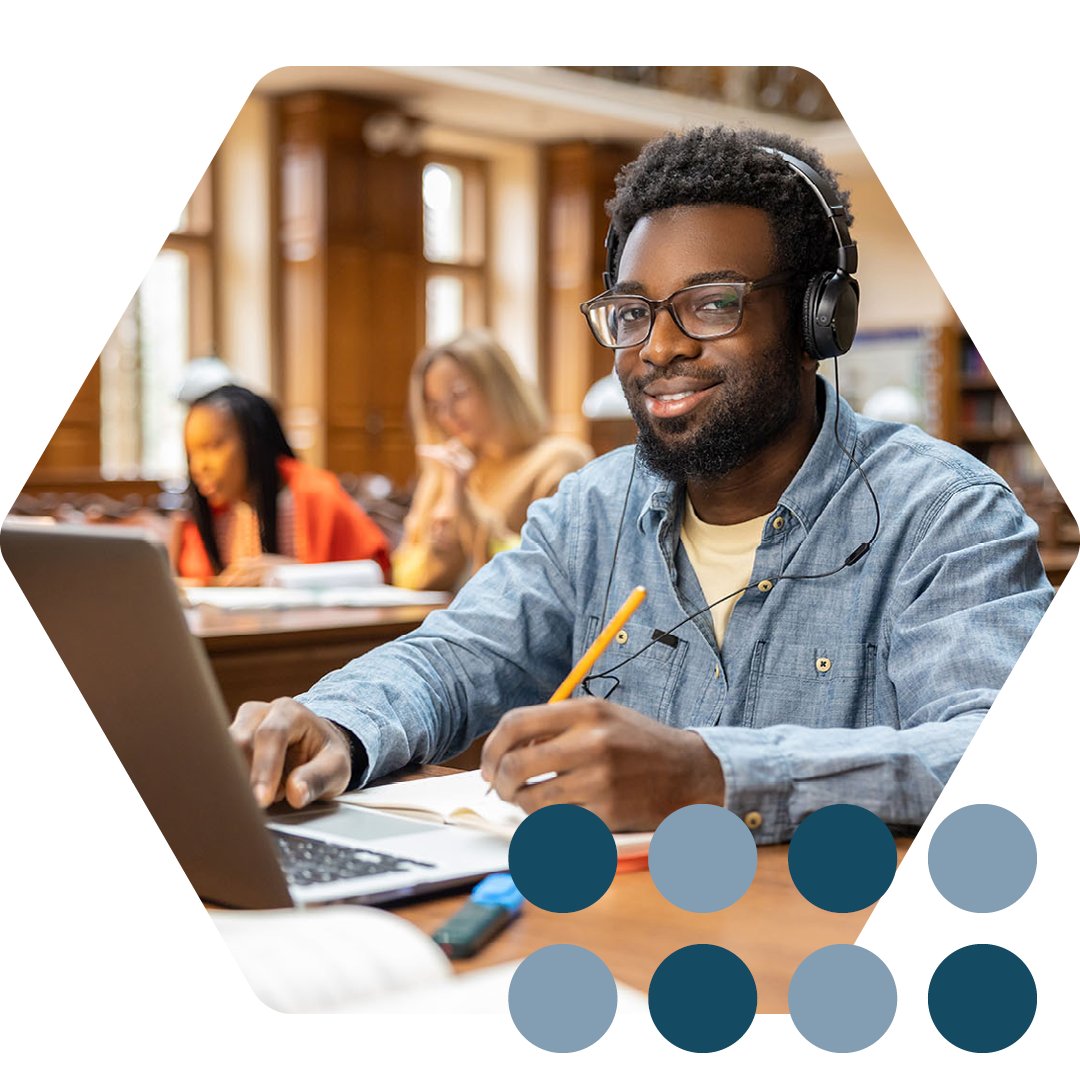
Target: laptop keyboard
(315,862)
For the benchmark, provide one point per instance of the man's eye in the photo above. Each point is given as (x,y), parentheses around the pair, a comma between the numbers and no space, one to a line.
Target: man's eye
(631,313)
(715,303)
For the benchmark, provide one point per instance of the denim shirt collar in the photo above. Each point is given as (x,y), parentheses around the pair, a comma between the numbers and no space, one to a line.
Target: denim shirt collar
(819,477)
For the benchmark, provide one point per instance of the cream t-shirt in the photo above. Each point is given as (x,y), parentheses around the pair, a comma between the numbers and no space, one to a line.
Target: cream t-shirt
(723,559)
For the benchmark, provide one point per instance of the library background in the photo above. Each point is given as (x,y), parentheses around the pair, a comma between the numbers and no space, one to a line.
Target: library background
(353,215)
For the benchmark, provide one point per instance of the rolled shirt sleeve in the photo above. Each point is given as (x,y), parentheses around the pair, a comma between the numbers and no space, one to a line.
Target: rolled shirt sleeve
(505,641)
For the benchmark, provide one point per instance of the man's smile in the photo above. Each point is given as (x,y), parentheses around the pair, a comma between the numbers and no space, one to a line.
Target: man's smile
(676,397)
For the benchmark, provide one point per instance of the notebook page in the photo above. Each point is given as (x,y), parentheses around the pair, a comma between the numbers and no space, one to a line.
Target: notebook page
(441,795)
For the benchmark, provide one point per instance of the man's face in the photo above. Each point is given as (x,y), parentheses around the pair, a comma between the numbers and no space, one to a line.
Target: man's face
(704,408)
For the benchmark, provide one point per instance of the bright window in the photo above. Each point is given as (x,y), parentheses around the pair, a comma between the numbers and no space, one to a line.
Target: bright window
(168,322)
(455,246)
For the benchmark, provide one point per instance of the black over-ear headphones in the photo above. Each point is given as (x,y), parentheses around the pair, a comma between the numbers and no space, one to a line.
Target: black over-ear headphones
(830,308)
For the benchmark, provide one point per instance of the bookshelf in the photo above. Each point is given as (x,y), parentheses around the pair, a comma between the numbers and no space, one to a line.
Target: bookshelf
(973,413)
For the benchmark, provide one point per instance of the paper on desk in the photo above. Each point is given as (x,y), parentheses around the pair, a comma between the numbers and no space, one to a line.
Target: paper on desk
(356,573)
(271,598)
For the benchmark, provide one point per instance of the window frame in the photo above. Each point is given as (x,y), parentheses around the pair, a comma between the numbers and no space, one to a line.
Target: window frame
(473,269)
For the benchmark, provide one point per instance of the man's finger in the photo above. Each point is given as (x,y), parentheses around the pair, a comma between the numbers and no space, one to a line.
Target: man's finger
(532,722)
(578,787)
(324,776)
(561,754)
(248,718)
(281,727)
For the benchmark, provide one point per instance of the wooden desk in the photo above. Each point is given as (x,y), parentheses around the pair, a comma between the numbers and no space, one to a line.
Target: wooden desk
(261,655)
(632,928)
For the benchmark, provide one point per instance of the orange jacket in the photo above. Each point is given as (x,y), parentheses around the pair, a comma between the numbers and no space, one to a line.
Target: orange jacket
(330,527)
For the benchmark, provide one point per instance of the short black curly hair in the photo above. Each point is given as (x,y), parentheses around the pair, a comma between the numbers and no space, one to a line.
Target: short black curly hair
(721,165)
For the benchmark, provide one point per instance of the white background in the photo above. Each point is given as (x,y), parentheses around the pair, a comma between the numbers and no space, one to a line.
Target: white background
(110,114)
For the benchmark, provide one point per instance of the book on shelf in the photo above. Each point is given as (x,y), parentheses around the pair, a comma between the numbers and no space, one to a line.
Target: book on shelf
(971,361)
(988,411)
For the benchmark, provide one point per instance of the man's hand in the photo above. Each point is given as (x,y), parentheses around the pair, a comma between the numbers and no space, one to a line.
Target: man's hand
(627,769)
(293,754)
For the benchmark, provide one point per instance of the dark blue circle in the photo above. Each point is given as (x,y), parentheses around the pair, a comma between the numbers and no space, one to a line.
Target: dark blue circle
(842,858)
(702,998)
(982,998)
(562,858)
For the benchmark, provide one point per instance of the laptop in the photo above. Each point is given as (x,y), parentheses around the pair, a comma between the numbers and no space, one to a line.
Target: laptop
(107,600)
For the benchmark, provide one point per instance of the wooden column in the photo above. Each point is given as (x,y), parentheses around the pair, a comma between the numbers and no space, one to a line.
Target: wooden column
(579,177)
(349,284)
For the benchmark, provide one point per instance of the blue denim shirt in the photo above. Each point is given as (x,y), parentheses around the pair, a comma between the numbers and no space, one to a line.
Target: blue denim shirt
(863,687)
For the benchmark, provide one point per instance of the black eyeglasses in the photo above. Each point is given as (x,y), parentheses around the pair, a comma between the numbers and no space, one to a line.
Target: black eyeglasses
(701,312)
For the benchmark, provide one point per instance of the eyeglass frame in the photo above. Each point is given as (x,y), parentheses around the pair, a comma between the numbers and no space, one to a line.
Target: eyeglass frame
(655,306)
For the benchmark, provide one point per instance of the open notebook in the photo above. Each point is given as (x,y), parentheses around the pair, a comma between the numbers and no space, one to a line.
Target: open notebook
(462,799)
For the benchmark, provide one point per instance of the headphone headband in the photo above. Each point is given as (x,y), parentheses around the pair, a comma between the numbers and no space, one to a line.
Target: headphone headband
(847,255)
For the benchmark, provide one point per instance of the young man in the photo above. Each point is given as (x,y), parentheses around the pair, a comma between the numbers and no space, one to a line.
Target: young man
(842,674)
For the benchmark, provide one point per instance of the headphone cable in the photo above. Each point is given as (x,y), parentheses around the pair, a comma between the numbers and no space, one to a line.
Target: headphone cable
(851,560)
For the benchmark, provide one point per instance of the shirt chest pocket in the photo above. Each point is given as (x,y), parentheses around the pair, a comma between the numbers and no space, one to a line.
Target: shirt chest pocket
(648,682)
(817,684)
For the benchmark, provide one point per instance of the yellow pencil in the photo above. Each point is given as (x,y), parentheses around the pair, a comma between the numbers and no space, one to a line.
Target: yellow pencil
(592,653)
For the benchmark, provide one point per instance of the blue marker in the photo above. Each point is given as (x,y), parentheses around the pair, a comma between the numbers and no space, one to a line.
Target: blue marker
(491,905)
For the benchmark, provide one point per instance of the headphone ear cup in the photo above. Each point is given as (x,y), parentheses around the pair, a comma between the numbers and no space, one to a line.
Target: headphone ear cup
(811,308)
(830,314)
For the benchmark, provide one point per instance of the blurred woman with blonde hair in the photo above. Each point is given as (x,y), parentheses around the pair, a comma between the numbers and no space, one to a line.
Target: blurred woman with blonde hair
(485,455)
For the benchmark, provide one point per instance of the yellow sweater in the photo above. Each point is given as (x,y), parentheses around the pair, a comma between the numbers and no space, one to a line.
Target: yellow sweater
(498,494)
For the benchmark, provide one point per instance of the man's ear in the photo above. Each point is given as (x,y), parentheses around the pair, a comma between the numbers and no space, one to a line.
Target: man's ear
(808,363)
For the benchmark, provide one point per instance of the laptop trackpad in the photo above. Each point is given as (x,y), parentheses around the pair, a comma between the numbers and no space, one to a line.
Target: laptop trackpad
(354,824)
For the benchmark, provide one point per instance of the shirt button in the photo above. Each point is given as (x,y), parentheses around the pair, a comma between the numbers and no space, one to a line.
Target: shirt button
(752,820)
(778,522)
(716,674)
(764,586)
(621,637)
(823,663)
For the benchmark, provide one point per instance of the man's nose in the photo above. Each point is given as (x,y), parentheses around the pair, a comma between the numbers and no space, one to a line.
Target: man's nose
(667,343)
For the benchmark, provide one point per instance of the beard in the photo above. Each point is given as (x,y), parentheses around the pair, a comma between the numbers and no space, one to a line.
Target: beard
(751,411)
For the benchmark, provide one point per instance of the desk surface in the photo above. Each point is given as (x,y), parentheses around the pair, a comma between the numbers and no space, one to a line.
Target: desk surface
(228,631)
(632,928)
(262,655)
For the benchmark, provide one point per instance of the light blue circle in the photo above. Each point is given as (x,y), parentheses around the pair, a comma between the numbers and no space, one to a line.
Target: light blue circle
(702,858)
(982,858)
(842,998)
(562,998)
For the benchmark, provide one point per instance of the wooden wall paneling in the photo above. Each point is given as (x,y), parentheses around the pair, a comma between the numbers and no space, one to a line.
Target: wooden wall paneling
(75,446)
(364,289)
